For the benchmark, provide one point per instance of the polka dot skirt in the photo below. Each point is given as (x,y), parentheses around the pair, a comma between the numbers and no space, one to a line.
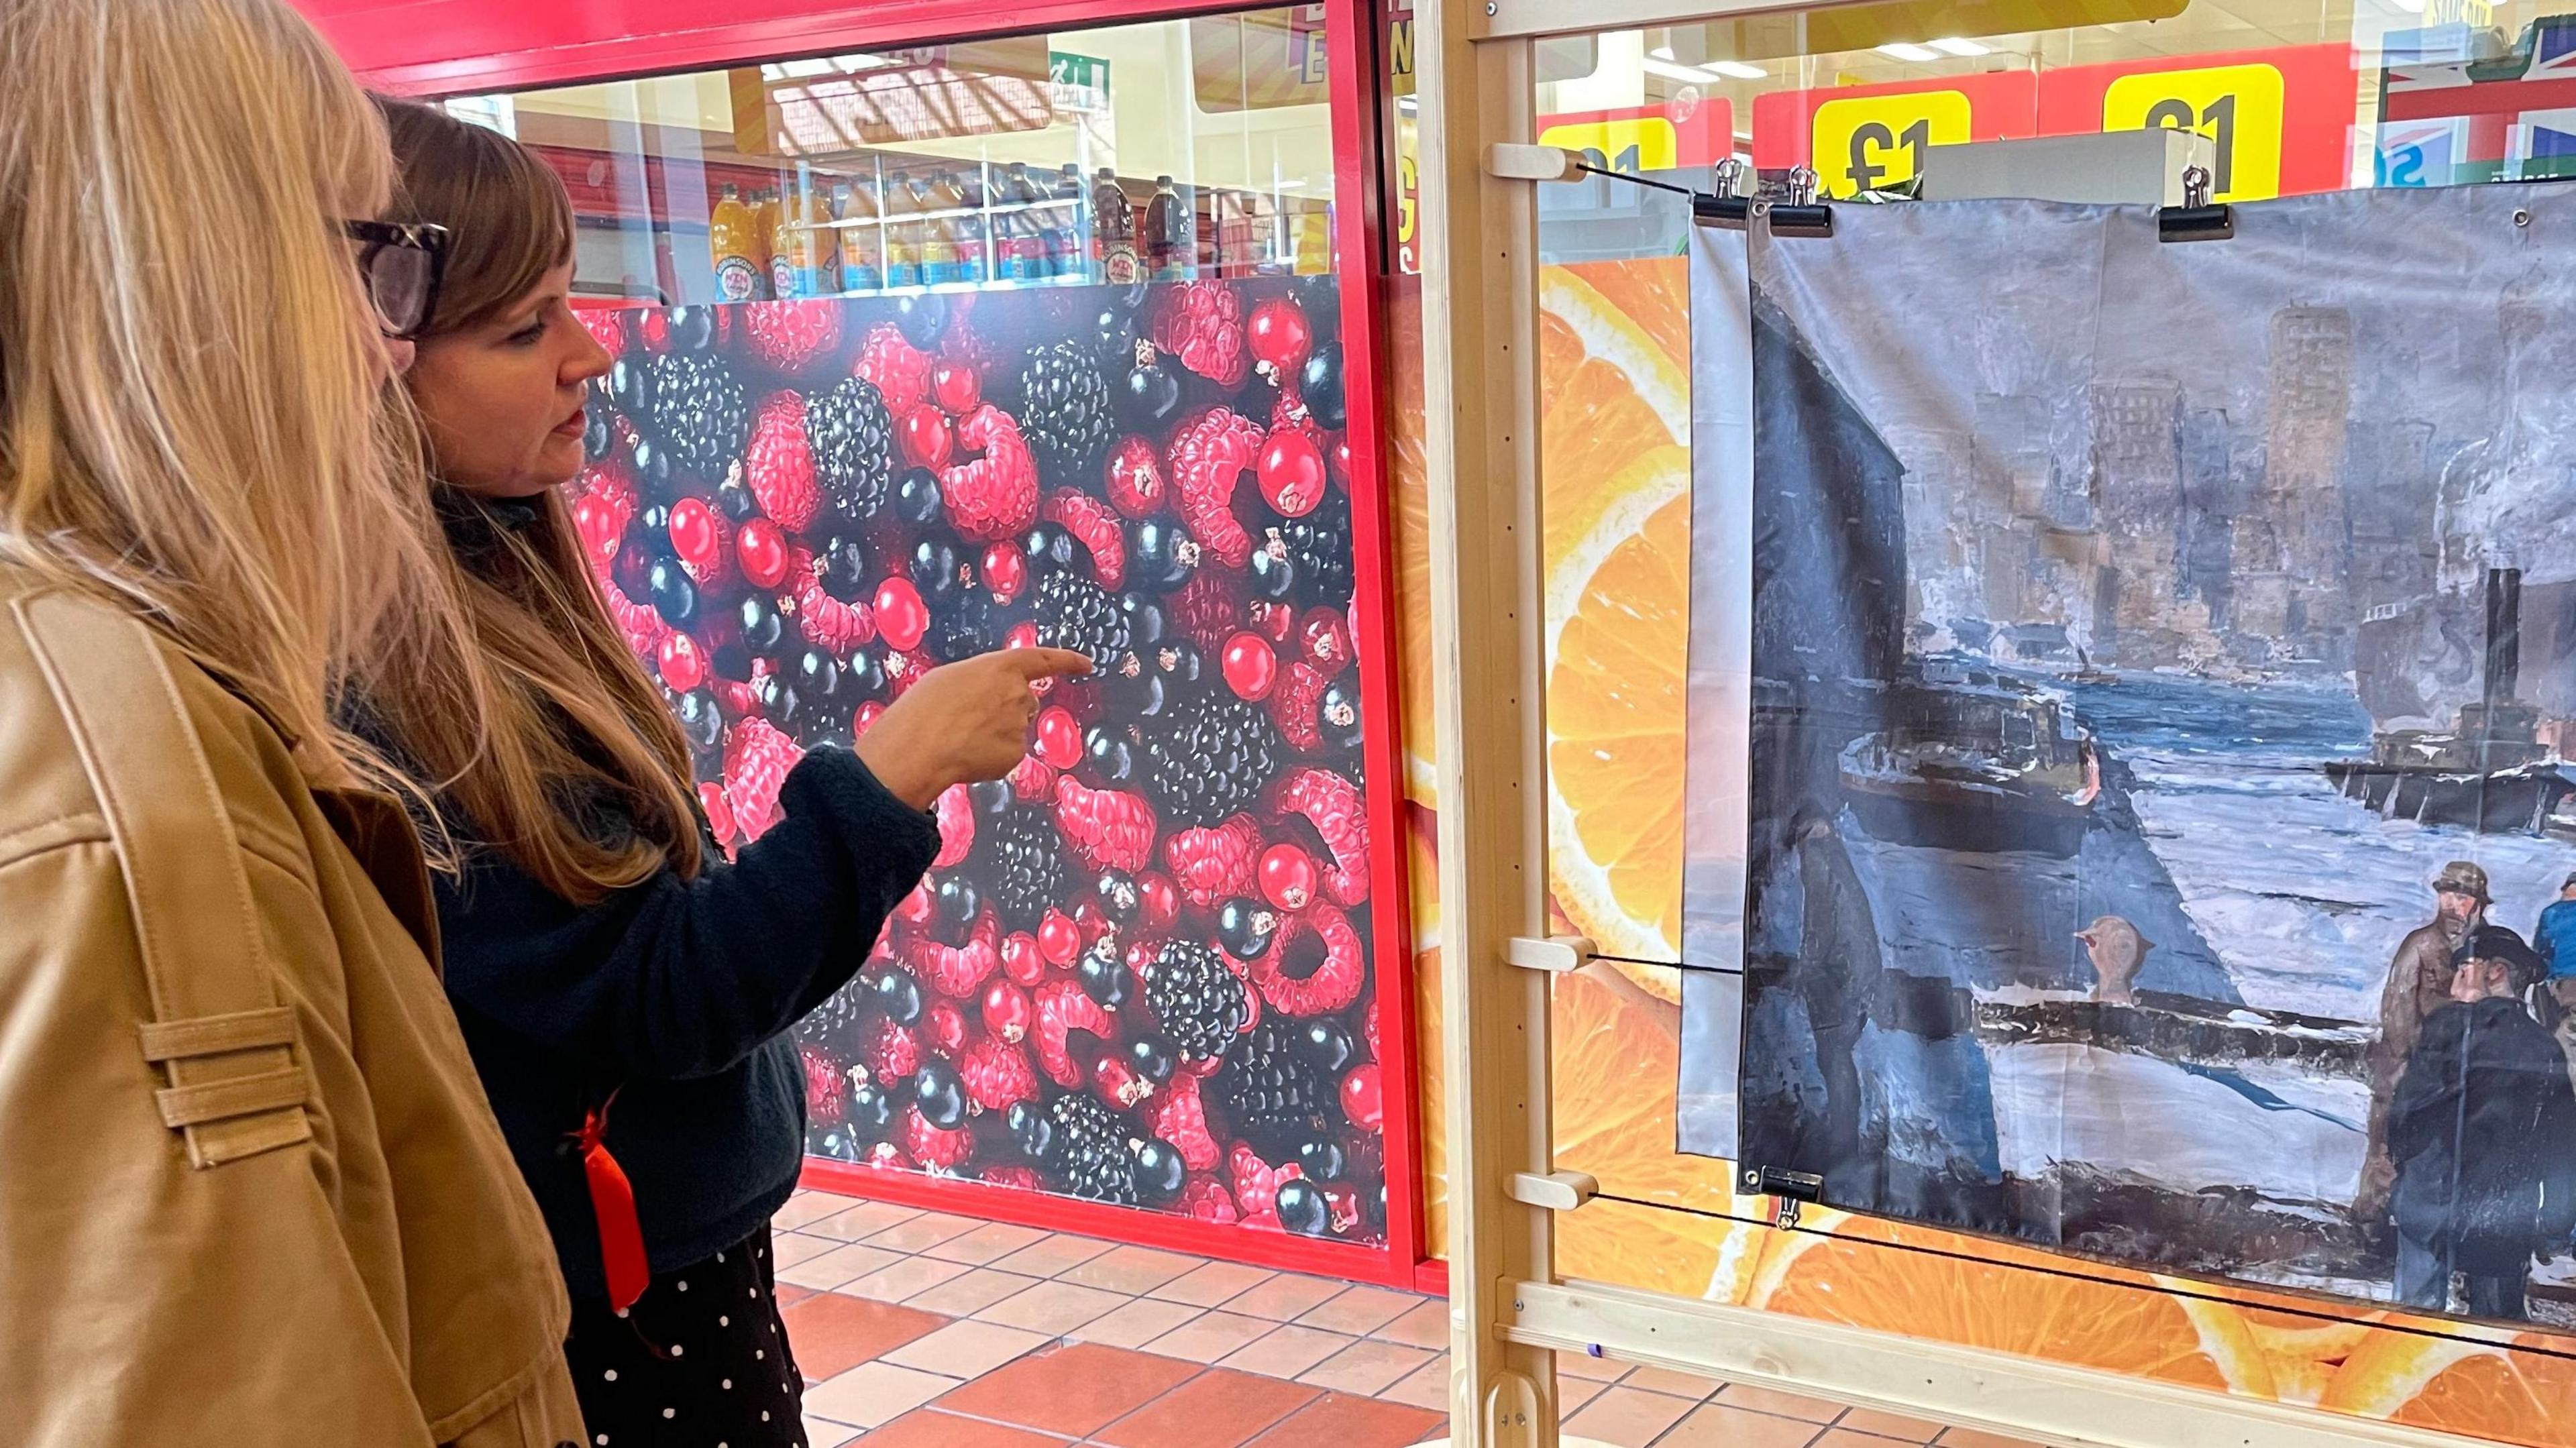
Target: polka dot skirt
(700,1361)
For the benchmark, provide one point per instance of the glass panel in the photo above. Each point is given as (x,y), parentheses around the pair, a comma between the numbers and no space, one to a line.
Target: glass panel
(1024,340)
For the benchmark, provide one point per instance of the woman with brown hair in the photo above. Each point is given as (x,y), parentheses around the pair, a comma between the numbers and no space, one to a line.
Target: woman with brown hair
(599,951)
(249,1188)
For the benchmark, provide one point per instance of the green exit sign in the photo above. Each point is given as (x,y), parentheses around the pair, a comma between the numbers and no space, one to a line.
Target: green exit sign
(1083,72)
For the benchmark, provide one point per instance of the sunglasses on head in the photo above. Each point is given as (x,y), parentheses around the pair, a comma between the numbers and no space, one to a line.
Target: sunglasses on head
(402,263)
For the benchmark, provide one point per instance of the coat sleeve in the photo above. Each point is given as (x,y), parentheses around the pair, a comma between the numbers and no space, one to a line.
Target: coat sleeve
(2427,1093)
(2554,1137)
(143,1299)
(678,978)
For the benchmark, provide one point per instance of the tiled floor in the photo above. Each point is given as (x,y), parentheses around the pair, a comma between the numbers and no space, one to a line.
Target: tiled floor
(919,1330)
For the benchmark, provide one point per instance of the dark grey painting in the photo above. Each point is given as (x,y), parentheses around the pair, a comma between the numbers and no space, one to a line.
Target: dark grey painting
(2161,661)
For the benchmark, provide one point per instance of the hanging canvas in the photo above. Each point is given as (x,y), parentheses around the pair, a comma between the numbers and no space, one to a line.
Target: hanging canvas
(2162,657)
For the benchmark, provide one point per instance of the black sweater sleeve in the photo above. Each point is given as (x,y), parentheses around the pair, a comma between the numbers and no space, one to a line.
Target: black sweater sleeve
(677,978)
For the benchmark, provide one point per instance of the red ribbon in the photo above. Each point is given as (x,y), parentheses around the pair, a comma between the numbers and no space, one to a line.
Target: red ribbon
(612,1201)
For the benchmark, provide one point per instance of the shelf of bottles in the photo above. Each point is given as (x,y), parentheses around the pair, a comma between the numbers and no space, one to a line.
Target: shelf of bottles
(893,230)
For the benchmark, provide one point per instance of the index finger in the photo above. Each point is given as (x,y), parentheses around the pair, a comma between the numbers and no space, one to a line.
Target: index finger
(1044,663)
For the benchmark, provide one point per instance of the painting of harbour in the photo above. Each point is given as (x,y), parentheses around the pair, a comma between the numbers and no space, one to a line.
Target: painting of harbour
(2163,672)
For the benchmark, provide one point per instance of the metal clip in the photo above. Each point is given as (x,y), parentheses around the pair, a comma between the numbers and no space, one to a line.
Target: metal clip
(1786,1189)
(1726,208)
(2196,219)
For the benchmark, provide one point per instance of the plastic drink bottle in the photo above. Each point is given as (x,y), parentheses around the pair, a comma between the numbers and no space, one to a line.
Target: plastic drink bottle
(938,235)
(902,233)
(1169,253)
(733,239)
(1113,232)
(772,220)
(813,247)
(964,195)
(1064,233)
(862,240)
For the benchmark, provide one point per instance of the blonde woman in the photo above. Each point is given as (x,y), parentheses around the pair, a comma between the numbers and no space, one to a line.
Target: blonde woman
(250,1190)
(618,981)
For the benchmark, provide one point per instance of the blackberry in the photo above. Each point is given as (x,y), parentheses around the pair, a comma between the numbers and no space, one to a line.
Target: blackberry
(834,1025)
(696,406)
(1218,755)
(1066,414)
(966,626)
(853,440)
(1025,865)
(1274,1093)
(1075,613)
(1320,545)
(1198,1000)
(1089,1153)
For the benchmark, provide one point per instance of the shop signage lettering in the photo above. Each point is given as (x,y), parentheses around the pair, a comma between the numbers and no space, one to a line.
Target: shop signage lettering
(1646,138)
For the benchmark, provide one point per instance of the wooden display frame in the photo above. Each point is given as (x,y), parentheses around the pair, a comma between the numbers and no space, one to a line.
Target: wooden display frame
(1508,1313)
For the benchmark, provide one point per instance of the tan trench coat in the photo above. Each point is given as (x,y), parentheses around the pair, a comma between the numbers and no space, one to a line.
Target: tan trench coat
(250,1190)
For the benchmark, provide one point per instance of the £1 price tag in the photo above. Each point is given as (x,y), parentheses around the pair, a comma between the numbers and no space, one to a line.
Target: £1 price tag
(1627,144)
(1867,142)
(2238,107)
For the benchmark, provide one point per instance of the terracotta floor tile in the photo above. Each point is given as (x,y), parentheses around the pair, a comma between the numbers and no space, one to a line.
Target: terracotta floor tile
(1719,1426)
(1359,1311)
(788,1293)
(839,1265)
(1680,1385)
(1287,1353)
(909,1277)
(1212,1284)
(920,1234)
(1205,1339)
(986,1245)
(1572,1394)
(1053,1308)
(820,1434)
(1075,1390)
(1217,1409)
(1350,1420)
(860,1222)
(1627,1417)
(1426,1326)
(965,1296)
(1773,1400)
(874,1393)
(807,1206)
(967,1349)
(1367,1366)
(931,1428)
(1285,1298)
(1979,1438)
(1052,1255)
(1425,1387)
(832,1334)
(1589,1368)
(1889,1425)
(1136,1324)
(1853,1438)
(789,1248)
(1131,1270)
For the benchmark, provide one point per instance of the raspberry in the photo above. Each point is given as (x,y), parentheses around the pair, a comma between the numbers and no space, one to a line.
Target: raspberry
(1210,455)
(793,337)
(719,816)
(827,1086)
(1106,829)
(1217,863)
(994,495)
(1202,324)
(757,759)
(1294,703)
(1136,478)
(1203,1197)
(941,1151)
(1332,804)
(1368,1030)
(825,621)
(956,814)
(1256,1185)
(889,1053)
(958,970)
(1062,1009)
(1033,779)
(899,371)
(637,623)
(606,325)
(1322,942)
(1019,1178)
(779,464)
(1086,518)
(997,1073)
(1177,1116)
(1207,609)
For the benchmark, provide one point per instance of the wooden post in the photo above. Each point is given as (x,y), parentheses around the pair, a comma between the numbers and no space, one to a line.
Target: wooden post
(1480,331)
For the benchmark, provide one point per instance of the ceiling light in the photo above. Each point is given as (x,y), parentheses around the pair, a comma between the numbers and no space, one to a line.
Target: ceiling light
(1737,69)
(1669,71)
(1956,46)
(1903,50)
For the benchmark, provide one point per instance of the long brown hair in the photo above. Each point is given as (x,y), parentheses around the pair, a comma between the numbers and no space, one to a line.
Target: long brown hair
(190,418)
(572,719)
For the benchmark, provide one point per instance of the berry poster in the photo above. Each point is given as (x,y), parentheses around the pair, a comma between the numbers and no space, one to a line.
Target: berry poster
(2163,661)
(1141,969)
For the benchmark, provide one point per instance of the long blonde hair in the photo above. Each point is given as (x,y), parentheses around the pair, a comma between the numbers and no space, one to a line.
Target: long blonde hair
(190,418)
(572,718)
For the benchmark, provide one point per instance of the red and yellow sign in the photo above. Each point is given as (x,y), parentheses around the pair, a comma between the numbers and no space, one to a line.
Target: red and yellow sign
(1646,138)
(1867,136)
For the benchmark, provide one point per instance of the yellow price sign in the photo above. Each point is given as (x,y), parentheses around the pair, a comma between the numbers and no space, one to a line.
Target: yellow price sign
(1866,142)
(2238,107)
(1628,144)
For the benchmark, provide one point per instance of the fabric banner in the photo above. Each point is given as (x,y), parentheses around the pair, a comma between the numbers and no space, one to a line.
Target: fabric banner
(2160,662)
